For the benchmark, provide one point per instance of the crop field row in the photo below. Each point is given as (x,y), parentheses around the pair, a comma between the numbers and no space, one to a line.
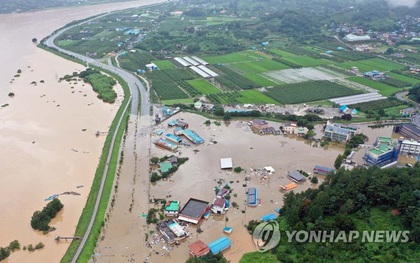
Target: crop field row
(371,64)
(234,81)
(243,56)
(255,97)
(412,81)
(259,66)
(396,83)
(382,88)
(377,104)
(137,60)
(309,91)
(165,87)
(261,80)
(203,86)
(224,98)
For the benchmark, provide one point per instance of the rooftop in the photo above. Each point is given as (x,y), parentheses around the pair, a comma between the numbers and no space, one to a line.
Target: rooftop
(165,166)
(297,176)
(172,206)
(194,208)
(220,245)
(226,163)
(259,122)
(198,248)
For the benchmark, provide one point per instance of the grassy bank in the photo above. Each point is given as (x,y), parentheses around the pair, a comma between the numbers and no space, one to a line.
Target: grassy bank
(90,203)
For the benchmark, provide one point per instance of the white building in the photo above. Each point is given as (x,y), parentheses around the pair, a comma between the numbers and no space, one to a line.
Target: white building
(355,38)
(410,148)
(218,206)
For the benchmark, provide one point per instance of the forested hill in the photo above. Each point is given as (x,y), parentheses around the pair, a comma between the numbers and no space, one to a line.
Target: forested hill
(11,6)
(362,199)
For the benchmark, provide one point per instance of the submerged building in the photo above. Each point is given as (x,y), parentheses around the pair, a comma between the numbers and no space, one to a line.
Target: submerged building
(340,132)
(385,151)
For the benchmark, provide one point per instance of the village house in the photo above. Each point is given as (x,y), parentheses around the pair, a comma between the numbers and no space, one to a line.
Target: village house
(270,130)
(218,206)
(292,128)
(340,132)
(259,124)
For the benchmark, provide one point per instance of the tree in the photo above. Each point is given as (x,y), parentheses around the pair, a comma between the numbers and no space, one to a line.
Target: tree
(338,161)
(227,116)
(34,40)
(238,169)
(154,160)
(4,253)
(314,180)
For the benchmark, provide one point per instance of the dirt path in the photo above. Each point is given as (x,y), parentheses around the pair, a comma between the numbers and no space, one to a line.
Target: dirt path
(122,239)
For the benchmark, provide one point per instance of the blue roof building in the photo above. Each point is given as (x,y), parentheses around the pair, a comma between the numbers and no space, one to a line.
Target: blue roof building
(220,245)
(252,197)
(343,108)
(173,138)
(268,217)
(385,151)
(193,137)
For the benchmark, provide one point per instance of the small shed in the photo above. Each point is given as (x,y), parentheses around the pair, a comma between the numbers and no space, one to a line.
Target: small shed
(343,108)
(226,163)
(198,105)
(288,187)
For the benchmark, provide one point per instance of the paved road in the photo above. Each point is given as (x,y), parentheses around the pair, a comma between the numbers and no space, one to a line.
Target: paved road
(135,86)
(133,82)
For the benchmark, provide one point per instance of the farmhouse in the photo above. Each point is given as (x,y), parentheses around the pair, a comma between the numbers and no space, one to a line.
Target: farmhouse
(171,208)
(193,211)
(192,136)
(385,151)
(218,206)
(165,166)
(259,124)
(173,138)
(292,128)
(296,176)
(198,248)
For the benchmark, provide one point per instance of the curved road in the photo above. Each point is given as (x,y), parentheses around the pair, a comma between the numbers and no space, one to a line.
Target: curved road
(135,86)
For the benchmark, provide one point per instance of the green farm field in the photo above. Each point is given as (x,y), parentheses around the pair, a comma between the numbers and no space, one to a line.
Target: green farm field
(164,64)
(309,91)
(382,88)
(255,97)
(259,66)
(243,56)
(306,61)
(403,78)
(183,101)
(260,80)
(203,86)
(371,64)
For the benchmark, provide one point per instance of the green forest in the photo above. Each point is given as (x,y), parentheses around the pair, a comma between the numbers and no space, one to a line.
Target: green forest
(361,199)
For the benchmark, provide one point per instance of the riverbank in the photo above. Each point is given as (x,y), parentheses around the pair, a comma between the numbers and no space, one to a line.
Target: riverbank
(47,131)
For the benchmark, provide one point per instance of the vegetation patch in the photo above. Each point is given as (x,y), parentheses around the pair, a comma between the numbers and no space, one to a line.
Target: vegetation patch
(135,60)
(203,86)
(234,81)
(255,97)
(164,64)
(309,91)
(41,219)
(381,87)
(5,251)
(260,80)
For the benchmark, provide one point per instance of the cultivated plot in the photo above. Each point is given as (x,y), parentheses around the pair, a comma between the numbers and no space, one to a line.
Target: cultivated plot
(303,74)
